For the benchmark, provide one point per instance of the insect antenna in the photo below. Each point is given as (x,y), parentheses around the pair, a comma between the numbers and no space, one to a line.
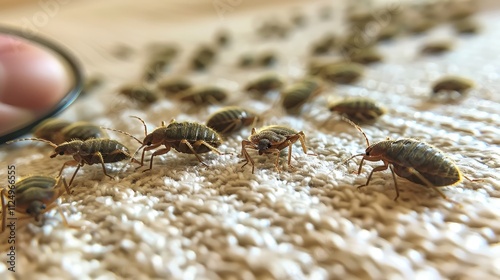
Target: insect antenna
(123,132)
(33,139)
(143,123)
(358,128)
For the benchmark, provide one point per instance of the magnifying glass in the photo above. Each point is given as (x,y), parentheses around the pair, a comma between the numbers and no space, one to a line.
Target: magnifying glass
(38,80)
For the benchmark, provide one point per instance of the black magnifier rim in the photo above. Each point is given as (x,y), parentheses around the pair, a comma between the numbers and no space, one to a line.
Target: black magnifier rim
(69,98)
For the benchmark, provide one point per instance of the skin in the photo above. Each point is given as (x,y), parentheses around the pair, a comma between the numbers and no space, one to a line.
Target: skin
(22,101)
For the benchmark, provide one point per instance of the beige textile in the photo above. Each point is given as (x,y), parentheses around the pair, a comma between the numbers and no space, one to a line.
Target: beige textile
(185,221)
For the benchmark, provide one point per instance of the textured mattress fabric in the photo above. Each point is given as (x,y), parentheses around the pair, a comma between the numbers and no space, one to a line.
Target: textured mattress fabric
(182,220)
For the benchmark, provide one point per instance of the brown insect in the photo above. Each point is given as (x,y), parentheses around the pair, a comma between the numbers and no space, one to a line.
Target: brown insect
(91,151)
(50,129)
(411,159)
(203,58)
(204,95)
(264,84)
(324,45)
(91,83)
(230,119)
(273,29)
(222,38)
(139,93)
(58,131)
(466,26)
(34,196)
(246,60)
(161,57)
(300,93)
(271,140)
(184,137)
(452,83)
(358,109)
(174,86)
(266,59)
(437,47)
(365,56)
(342,73)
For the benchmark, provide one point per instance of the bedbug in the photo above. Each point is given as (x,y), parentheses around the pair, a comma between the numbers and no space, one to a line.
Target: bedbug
(246,60)
(324,45)
(365,56)
(466,26)
(271,140)
(300,93)
(266,59)
(50,129)
(222,38)
(139,93)
(264,84)
(174,85)
(91,83)
(34,196)
(342,73)
(58,131)
(91,151)
(230,119)
(204,95)
(184,137)
(411,159)
(203,58)
(358,109)
(273,29)
(436,47)
(452,83)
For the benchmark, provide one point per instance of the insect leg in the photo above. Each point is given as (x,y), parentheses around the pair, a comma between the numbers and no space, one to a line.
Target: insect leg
(376,169)
(71,162)
(244,153)
(144,151)
(74,174)
(429,184)
(232,126)
(101,160)
(66,187)
(157,153)
(197,144)
(395,183)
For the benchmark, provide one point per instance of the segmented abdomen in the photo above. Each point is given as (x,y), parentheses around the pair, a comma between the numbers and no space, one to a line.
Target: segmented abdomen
(429,161)
(82,131)
(34,188)
(230,119)
(111,151)
(192,132)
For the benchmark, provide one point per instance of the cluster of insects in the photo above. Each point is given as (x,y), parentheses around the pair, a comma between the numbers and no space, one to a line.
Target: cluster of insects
(89,144)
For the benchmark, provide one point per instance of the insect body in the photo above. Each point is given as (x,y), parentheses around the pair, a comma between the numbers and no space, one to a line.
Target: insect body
(204,95)
(414,160)
(298,94)
(271,140)
(50,129)
(174,86)
(91,151)
(161,56)
(230,119)
(452,83)
(358,109)
(34,195)
(264,84)
(203,58)
(184,137)
(342,73)
(58,131)
(139,93)
(437,47)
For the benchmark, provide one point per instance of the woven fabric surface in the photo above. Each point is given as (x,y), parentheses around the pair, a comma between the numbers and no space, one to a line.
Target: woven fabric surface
(182,220)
